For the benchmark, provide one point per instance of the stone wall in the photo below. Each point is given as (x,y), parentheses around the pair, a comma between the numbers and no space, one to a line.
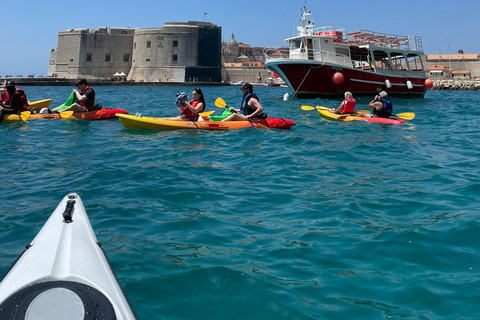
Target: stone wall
(470,85)
(175,53)
(246,75)
(472,66)
(96,54)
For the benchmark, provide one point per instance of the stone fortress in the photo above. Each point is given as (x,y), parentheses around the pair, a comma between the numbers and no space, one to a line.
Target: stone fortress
(190,51)
(178,52)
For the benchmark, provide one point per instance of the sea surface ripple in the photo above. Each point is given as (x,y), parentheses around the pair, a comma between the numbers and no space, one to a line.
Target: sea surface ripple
(329,220)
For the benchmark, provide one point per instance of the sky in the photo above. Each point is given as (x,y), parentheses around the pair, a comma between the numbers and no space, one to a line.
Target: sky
(30,28)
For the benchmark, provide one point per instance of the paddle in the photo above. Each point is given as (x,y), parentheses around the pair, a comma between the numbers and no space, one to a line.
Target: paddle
(24,115)
(206,114)
(404,115)
(221,104)
(65,114)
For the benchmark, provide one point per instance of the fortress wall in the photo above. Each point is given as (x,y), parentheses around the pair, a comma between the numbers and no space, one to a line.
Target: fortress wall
(68,53)
(246,75)
(101,45)
(83,54)
(171,53)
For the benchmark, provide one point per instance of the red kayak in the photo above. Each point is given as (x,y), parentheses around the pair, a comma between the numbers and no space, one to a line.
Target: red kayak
(102,114)
(277,123)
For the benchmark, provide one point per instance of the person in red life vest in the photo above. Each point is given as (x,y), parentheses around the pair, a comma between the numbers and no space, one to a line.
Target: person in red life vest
(347,105)
(86,98)
(14,100)
(3,93)
(250,107)
(189,110)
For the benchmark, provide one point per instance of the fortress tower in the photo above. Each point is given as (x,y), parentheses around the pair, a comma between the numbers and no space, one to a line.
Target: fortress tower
(178,52)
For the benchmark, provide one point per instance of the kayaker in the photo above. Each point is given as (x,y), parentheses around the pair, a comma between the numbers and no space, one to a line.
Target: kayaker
(347,105)
(14,100)
(250,107)
(189,110)
(381,105)
(86,98)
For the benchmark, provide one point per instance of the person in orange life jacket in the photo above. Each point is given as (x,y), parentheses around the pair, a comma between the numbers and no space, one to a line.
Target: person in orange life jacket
(14,100)
(86,98)
(381,105)
(250,108)
(189,110)
(347,105)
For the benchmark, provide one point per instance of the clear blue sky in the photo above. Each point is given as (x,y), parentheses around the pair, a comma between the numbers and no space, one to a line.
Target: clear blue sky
(28,38)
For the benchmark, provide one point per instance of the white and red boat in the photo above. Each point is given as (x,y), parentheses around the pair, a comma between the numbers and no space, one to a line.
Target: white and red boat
(327,61)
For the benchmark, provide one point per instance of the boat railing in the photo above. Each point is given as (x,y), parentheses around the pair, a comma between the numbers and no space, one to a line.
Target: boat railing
(307,54)
(394,41)
(365,37)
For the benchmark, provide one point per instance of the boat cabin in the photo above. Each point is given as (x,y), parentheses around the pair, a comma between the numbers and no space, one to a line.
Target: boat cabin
(363,49)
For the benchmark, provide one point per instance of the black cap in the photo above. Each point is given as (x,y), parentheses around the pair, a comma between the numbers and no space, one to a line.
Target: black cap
(10,84)
(246,85)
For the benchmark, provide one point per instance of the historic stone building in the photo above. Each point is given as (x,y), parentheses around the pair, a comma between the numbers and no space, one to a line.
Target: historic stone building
(178,52)
(460,65)
(98,53)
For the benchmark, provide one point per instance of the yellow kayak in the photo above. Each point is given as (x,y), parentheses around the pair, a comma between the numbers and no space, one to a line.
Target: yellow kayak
(325,113)
(9,118)
(149,123)
(39,104)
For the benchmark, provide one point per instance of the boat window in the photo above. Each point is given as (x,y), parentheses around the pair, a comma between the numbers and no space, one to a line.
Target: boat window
(316,45)
(342,51)
(295,44)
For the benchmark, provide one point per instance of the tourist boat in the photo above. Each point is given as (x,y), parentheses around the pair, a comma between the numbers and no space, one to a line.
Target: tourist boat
(327,61)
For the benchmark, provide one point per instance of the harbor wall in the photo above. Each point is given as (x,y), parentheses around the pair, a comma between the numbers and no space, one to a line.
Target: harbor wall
(469,85)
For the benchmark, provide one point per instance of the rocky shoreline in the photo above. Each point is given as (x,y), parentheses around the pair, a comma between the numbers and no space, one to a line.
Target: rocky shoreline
(469,85)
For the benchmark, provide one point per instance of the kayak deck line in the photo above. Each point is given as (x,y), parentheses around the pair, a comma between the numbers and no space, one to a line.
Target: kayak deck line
(72,277)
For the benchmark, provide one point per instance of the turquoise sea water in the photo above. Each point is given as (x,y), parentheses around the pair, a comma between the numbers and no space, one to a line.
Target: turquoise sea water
(329,220)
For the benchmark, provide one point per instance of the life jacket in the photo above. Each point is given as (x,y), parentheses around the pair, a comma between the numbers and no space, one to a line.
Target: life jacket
(22,102)
(246,109)
(387,109)
(89,104)
(349,106)
(191,115)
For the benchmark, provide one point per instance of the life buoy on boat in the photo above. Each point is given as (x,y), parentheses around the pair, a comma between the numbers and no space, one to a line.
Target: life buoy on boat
(409,85)
(337,78)
(388,85)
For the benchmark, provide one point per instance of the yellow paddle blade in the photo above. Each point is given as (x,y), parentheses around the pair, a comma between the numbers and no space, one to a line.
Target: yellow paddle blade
(307,108)
(220,103)
(258,124)
(24,115)
(65,114)
(206,114)
(406,115)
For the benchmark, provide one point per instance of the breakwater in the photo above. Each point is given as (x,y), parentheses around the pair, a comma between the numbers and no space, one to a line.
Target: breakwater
(469,85)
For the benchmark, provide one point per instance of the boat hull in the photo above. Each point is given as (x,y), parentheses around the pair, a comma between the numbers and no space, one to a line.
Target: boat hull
(149,123)
(313,79)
